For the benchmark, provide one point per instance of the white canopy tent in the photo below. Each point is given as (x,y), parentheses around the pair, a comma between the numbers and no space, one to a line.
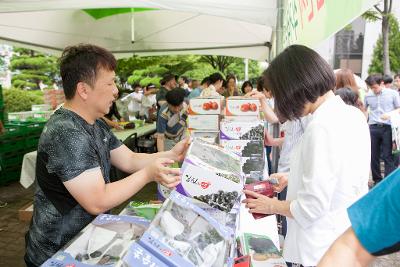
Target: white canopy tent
(141,27)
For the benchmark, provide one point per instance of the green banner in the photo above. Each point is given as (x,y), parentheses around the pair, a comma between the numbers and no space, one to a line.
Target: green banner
(105,12)
(309,22)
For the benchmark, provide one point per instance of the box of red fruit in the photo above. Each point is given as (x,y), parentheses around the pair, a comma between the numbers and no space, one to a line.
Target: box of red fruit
(242,106)
(263,188)
(205,106)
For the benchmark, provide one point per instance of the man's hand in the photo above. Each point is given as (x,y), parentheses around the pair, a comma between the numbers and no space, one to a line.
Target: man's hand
(281,179)
(159,172)
(179,150)
(259,203)
(385,117)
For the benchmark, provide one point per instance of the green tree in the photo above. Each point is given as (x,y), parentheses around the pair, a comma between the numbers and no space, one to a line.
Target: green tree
(237,68)
(386,17)
(144,70)
(18,100)
(31,67)
(377,64)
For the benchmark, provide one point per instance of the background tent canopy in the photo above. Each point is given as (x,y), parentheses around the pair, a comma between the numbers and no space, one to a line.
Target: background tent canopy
(224,27)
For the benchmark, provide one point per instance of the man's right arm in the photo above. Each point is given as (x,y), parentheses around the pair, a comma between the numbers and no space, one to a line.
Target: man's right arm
(95,196)
(346,251)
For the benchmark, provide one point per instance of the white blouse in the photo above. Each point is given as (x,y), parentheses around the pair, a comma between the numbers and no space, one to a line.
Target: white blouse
(329,170)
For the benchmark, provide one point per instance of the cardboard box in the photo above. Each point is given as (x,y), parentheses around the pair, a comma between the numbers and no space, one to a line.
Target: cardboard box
(244,148)
(26,212)
(203,122)
(242,106)
(235,130)
(205,106)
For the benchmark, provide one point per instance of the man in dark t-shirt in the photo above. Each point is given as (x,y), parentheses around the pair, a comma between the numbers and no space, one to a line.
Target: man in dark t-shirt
(75,154)
(169,83)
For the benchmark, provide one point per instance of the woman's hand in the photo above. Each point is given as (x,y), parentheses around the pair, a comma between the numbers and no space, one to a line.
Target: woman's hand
(159,172)
(259,203)
(281,181)
(256,94)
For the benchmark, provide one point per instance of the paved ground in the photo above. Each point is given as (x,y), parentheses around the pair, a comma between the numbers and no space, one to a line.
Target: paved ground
(12,230)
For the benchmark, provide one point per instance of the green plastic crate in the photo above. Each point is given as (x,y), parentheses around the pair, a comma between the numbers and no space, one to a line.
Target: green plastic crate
(10,174)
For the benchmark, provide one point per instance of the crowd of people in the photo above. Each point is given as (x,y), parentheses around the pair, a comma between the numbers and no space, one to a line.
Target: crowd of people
(335,133)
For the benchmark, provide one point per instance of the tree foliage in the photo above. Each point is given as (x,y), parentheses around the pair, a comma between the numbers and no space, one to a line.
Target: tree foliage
(386,17)
(144,70)
(19,100)
(376,65)
(31,67)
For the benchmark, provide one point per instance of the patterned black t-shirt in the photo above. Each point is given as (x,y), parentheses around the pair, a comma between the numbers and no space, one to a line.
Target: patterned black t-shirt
(67,147)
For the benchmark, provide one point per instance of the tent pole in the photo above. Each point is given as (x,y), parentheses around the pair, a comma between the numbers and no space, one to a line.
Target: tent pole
(246,69)
(279,47)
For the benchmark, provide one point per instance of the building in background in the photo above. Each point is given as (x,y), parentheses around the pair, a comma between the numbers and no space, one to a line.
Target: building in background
(6,52)
(353,46)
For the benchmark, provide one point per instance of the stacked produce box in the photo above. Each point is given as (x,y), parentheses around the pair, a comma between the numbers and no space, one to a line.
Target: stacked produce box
(54,97)
(242,132)
(203,120)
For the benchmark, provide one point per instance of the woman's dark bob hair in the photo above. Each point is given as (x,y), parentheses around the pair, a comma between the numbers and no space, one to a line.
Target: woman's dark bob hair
(297,76)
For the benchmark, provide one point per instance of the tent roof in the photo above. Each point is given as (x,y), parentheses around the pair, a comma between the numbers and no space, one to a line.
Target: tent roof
(223,27)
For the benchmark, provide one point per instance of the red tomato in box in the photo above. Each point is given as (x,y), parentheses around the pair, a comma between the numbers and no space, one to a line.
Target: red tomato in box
(214,105)
(253,107)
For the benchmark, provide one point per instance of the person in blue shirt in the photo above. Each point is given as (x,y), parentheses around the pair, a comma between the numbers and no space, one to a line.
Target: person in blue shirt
(380,101)
(197,91)
(375,228)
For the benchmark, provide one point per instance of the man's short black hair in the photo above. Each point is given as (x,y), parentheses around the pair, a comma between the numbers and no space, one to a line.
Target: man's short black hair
(168,77)
(374,79)
(81,63)
(297,76)
(387,79)
(397,75)
(175,96)
(215,77)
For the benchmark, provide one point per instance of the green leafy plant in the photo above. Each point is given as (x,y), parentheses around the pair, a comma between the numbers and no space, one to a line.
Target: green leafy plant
(19,100)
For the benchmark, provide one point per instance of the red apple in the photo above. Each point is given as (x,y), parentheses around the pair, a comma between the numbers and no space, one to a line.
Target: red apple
(253,107)
(245,107)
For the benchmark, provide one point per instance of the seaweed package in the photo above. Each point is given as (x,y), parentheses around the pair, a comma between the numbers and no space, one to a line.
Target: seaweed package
(244,148)
(241,130)
(213,157)
(182,234)
(261,250)
(104,242)
(219,190)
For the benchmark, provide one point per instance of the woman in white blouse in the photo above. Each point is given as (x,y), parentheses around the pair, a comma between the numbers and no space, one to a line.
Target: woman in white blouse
(329,167)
